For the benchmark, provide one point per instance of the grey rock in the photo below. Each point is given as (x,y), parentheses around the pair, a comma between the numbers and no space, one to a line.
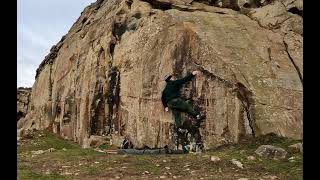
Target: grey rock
(37,152)
(271,152)
(237,163)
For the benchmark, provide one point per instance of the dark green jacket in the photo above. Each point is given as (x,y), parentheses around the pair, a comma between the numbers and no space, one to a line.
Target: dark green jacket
(172,89)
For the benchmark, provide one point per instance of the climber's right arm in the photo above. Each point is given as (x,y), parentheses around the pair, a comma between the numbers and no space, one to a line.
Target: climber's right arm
(187,78)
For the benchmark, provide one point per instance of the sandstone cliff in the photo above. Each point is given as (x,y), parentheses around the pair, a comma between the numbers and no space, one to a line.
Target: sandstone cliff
(23,99)
(106,75)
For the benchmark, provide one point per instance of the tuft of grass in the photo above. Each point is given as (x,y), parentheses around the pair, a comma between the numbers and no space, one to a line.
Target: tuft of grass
(106,146)
(45,141)
(24,172)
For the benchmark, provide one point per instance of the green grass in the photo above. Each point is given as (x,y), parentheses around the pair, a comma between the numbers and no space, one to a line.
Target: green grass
(46,141)
(111,165)
(285,168)
(24,173)
(29,167)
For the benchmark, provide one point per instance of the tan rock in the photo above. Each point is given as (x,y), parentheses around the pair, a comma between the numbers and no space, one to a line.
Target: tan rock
(20,132)
(105,77)
(237,163)
(283,14)
(23,99)
(298,147)
(96,141)
(215,159)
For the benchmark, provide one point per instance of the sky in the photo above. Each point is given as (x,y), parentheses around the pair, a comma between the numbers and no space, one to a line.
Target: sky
(40,25)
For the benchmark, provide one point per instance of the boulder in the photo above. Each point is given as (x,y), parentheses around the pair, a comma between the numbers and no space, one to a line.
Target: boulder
(271,152)
(237,163)
(106,75)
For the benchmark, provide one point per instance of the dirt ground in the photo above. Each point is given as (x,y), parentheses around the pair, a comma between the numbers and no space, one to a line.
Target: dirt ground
(68,160)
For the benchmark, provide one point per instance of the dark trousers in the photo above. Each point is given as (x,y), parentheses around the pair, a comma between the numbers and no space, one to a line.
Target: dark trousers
(179,105)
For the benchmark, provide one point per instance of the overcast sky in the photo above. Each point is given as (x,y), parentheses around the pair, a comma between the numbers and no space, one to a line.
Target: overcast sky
(41,24)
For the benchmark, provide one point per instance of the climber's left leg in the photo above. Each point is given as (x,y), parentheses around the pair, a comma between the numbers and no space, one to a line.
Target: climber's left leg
(177,118)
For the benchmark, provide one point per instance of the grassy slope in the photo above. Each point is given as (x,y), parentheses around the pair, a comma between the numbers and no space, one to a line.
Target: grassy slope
(78,163)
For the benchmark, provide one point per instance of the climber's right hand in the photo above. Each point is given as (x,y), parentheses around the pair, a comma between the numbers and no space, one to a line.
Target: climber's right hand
(196,72)
(166,109)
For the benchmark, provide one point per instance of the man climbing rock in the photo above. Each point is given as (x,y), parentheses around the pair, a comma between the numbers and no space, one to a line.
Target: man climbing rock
(171,98)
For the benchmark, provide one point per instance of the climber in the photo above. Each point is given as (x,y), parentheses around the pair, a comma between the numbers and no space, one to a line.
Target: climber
(171,99)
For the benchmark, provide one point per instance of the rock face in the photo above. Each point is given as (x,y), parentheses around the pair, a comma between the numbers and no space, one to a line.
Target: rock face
(106,75)
(271,152)
(298,147)
(23,99)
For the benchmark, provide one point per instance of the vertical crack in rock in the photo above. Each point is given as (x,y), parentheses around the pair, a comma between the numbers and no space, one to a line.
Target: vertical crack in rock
(50,103)
(50,81)
(112,45)
(244,95)
(118,29)
(97,106)
(269,53)
(292,61)
(66,119)
(246,98)
(158,134)
(226,134)
(113,99)
(117,102)
(97,110)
